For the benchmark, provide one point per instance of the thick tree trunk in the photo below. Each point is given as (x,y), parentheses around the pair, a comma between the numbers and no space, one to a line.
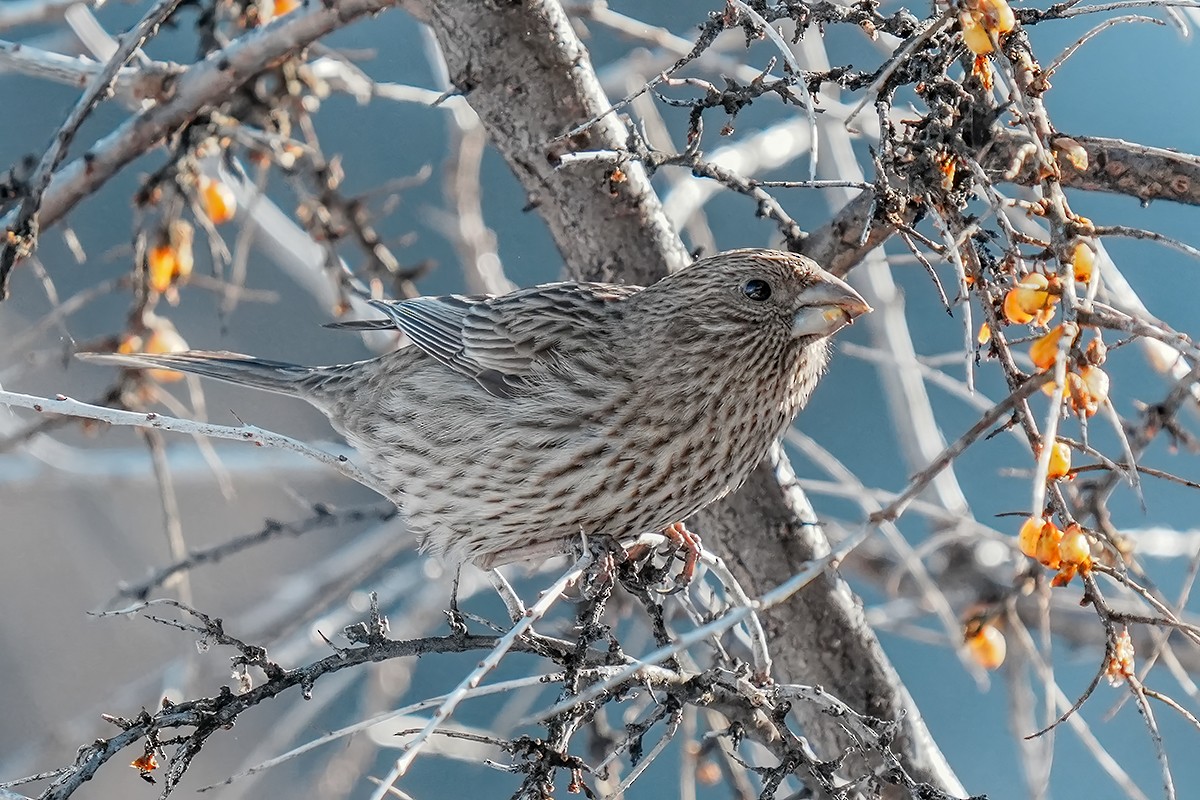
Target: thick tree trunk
(765,533)
(530,79)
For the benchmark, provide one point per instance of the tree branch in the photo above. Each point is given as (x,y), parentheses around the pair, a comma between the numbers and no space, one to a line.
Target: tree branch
(1113,165)
(203,84)
(617,230)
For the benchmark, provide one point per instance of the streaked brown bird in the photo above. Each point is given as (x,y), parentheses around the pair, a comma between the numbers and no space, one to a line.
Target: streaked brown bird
(513,423)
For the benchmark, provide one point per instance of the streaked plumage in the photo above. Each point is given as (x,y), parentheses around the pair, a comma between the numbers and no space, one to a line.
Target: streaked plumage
(512,423)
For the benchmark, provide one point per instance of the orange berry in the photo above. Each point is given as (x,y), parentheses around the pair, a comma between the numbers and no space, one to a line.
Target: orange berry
(983,70)
(985,334)
(281,7)
(163,267)
(163,338)
(1048,542)
(1065,575)
(130,344)
(948,168)
(217,200)
(987,647)
(165,375)
(1030,300)
(1013,311)
(145,763)
(170,260)
(1039,539)
(1044,350)
(708,773)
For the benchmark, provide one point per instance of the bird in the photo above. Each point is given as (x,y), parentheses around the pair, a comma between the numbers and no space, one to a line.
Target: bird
(508,425)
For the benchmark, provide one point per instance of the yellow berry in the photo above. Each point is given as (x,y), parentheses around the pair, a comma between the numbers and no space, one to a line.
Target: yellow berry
(1120,660)
(1060,461)
(1027,539)
(1083,262)
(998,16)
(974,36)
(1088,389)
(1096,381)
(987,647)
(1075,548)
(1073,151)
(994,17)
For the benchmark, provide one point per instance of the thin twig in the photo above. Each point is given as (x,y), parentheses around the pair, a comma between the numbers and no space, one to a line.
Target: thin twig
(66,407)
(22,232)
(534,614)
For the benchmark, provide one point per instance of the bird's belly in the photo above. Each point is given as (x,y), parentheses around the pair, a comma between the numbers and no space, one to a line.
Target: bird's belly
(500,483)
(508,495)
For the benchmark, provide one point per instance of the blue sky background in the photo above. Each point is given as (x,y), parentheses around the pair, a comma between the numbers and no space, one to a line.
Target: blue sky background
(1135,82)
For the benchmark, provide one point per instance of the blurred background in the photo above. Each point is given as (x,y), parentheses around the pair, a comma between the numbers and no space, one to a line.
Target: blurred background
(82,513)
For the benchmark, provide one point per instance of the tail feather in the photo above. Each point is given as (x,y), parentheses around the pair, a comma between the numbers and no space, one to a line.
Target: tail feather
(272,376)
(363,325)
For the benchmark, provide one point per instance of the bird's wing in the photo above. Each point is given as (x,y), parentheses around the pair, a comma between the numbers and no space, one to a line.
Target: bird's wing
(501,341)
(434,324)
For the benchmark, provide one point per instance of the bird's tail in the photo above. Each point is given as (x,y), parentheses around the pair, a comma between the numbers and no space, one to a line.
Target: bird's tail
(272,376)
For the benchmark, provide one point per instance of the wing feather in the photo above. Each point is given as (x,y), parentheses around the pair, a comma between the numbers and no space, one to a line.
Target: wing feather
(502,341)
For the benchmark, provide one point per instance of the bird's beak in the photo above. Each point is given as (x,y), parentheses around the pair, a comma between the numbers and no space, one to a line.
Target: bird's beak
(826,307)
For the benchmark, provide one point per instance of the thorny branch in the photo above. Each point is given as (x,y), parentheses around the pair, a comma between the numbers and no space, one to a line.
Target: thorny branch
(1027,264)
(322,517)
(177,731)
(21,235)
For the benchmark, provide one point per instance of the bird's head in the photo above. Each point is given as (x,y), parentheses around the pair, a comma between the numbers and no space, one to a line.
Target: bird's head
(761,293)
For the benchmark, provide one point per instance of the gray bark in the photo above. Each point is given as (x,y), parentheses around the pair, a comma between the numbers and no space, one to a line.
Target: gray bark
(522,68)
(530,79)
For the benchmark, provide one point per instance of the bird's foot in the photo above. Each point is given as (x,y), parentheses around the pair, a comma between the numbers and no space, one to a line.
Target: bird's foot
(683,540)
(689,543)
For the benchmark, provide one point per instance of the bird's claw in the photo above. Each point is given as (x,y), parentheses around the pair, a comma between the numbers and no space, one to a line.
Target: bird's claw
(690,543)
(684,540)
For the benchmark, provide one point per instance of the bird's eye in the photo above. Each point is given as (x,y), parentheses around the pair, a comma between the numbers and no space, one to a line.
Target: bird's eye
(757,290)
